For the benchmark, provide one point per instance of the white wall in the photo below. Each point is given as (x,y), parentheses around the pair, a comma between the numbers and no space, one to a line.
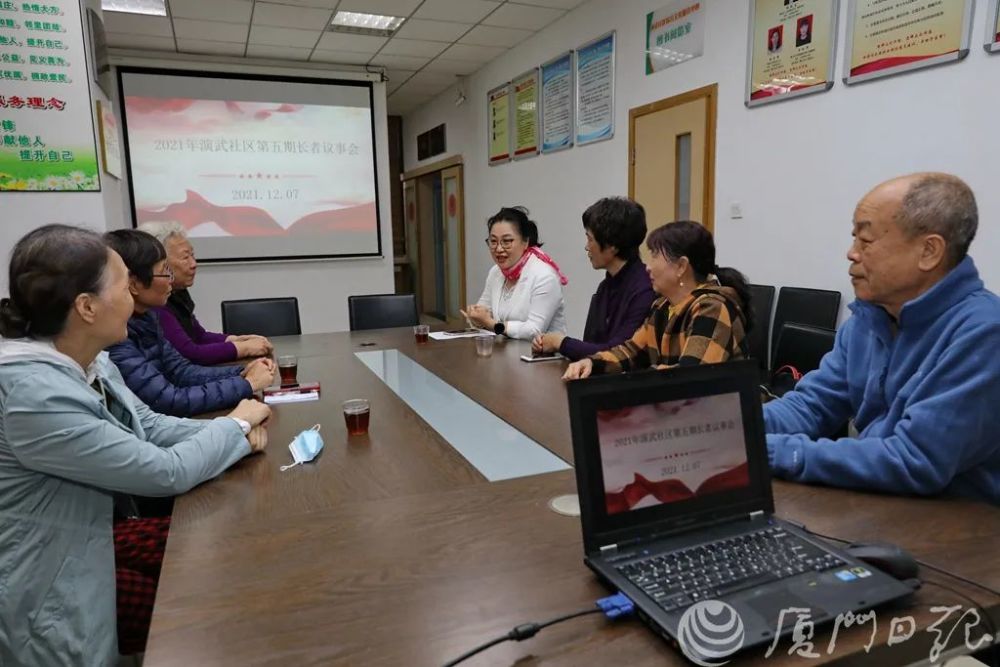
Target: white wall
(322,287)
(797,167)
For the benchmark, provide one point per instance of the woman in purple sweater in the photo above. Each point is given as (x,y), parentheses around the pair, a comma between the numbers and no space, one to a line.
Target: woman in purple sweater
(615,228)
(180,327)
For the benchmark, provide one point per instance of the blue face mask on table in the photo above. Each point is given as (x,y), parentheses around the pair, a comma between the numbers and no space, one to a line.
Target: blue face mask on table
(305,447)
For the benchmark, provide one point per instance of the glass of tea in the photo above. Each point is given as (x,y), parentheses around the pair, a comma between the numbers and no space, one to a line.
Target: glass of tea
(288,369)
(421,332)
(356,414)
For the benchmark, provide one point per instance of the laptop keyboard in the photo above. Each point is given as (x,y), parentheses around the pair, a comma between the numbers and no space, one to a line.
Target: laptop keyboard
(678,579)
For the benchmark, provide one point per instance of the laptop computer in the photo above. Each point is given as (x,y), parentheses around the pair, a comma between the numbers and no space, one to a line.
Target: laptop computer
(678,514)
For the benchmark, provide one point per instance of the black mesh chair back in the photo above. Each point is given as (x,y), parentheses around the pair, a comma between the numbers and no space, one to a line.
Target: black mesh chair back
(759,338)
(802,346)
(803,305)
(382,311)
(277,316)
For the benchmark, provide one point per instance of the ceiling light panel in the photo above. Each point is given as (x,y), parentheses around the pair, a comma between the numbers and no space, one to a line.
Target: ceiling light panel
(147,7)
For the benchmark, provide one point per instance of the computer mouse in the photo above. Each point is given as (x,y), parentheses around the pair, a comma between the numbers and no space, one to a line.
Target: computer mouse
(889,558)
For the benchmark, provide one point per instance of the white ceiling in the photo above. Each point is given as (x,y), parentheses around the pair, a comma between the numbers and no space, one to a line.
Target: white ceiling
(439,41)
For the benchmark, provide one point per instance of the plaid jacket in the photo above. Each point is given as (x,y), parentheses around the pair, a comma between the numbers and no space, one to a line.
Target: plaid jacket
(706,328)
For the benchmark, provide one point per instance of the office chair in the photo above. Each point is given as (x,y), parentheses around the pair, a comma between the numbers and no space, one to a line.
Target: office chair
(802,346)
(802,305)
(759,338)
(382,311)
(277,316)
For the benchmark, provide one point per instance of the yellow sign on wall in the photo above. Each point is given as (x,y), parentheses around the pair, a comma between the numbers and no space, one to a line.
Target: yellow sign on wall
(887,38)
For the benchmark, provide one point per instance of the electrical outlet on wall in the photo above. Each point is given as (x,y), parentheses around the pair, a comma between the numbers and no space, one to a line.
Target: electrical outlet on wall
(735,210)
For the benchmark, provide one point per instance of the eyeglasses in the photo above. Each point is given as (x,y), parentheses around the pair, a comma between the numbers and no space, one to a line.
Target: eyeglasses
(169,274)
(503,243)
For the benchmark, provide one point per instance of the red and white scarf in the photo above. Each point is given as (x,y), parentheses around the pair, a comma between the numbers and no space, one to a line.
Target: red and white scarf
(514,272)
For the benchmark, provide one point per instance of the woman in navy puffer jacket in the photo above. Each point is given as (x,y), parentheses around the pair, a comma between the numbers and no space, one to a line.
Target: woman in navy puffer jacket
(152,368)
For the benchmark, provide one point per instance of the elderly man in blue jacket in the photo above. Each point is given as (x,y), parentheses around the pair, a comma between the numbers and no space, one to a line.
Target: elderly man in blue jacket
(915,366)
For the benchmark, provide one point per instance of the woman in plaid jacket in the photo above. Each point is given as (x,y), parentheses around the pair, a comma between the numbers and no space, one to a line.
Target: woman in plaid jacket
(702,316)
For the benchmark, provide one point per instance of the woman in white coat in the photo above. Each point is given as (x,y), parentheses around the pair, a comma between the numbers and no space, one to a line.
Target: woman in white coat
(523,296)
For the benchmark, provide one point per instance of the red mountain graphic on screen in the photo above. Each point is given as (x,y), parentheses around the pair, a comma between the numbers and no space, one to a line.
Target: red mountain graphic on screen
(672,490)
(253,221)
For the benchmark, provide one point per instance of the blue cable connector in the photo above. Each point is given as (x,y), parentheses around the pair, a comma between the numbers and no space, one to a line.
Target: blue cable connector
(616,606)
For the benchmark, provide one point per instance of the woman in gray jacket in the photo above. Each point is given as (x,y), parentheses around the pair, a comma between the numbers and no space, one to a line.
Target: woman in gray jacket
(72,436)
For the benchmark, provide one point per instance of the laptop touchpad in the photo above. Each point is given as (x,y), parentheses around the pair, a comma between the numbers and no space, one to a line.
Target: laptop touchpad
(771,605)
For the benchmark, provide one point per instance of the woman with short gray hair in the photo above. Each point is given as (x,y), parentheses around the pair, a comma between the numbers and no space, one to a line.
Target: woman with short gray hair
(180,327)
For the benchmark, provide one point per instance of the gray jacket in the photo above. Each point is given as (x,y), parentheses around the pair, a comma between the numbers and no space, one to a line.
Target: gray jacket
(62,454)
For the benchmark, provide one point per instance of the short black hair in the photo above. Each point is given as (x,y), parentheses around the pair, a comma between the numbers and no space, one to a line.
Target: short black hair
(140,252)
(517,216)
(49,268)
(619,222)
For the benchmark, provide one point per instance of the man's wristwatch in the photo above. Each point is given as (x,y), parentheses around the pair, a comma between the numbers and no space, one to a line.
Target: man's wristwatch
(499,328)
(244,425)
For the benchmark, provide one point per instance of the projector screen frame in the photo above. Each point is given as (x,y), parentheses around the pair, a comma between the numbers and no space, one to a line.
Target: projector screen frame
(122,70)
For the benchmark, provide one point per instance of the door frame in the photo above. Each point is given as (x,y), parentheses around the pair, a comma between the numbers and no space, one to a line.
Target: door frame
(456,171)
(711,95)
(451,167)
(440,165)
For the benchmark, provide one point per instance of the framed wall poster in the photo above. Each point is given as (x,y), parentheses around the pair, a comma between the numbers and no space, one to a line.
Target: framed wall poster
(557,103)
(595,90)
(498,124)
(881,43)
(107,131)
(992,44)
(524,92)
(791,49)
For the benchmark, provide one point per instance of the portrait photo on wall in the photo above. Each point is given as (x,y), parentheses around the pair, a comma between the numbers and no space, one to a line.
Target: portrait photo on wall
(804,31)
(775,38)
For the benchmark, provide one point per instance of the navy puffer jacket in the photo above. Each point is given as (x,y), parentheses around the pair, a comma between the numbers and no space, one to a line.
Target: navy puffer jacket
(166,381)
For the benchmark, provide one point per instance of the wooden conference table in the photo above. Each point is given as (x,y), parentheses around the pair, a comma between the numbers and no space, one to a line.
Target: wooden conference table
(392,549)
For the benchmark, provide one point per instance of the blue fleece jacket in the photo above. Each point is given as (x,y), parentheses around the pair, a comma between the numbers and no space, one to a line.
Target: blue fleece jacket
(166,381)
(925,401)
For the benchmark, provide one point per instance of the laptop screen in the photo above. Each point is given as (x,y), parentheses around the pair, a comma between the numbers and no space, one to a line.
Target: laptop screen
(663,451)
(667,452)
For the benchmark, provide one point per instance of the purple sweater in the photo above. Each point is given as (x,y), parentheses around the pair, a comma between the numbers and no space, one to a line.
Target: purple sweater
(617,310)
(202,347)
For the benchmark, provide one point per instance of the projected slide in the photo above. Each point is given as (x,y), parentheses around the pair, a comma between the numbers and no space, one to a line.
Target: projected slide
(254,168)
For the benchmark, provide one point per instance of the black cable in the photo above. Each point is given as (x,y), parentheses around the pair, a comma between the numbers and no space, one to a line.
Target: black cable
(825,537)
(990,649)
(520,633)
(942,570)
(992,655)
(560,619)
(959,577)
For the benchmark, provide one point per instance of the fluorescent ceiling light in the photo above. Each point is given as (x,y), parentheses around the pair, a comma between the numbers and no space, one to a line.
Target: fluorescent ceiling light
(148,7)
(366,24)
